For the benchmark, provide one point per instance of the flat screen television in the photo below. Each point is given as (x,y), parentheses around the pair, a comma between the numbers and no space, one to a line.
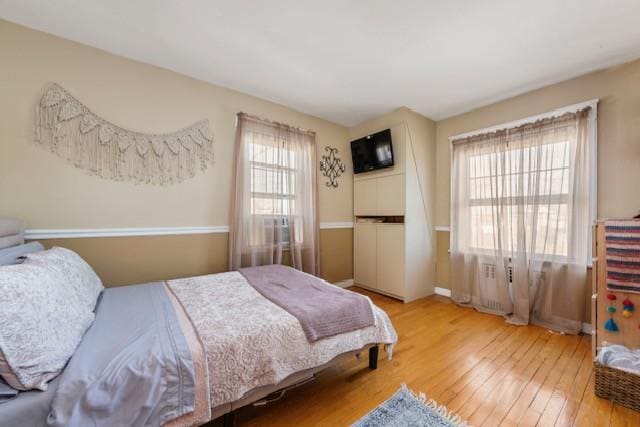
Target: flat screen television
(372,152)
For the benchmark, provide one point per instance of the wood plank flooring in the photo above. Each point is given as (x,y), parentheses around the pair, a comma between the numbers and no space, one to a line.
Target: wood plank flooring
(488,372)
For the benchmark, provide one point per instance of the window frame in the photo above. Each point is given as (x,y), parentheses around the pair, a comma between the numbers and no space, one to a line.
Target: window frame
(282,220)
(592,130)
(561,199)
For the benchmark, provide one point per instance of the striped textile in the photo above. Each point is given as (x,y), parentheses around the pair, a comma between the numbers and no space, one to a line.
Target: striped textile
(622,242)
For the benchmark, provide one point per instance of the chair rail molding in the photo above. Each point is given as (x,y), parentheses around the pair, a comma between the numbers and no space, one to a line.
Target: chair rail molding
(68,233)
(328,225)
(73,233)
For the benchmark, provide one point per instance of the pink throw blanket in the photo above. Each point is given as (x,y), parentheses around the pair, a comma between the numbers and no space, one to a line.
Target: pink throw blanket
(322,310)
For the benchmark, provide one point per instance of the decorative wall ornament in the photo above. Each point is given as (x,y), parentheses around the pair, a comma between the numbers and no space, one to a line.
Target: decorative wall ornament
(96,145)
(332,167)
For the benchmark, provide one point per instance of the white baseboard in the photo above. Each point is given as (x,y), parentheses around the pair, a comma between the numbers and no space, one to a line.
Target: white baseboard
(586,327)
(443,292)
(344,283)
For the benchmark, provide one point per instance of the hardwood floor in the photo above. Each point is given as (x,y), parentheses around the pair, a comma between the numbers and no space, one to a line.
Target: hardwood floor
(488,372)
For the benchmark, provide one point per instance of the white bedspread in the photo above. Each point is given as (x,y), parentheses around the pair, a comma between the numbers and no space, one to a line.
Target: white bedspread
(251,342)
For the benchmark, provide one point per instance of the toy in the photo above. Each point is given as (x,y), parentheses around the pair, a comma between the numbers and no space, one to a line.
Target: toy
(628,308)
(610,325)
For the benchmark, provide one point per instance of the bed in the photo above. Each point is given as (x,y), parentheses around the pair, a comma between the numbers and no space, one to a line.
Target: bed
(201,348)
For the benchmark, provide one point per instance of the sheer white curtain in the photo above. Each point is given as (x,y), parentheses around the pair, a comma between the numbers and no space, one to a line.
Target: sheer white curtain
(274,217)
(520,221)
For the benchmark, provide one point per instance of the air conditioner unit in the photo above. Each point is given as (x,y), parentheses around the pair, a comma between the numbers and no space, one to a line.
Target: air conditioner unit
(488,288)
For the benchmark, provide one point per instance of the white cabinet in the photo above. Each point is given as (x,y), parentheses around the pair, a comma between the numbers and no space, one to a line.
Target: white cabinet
(364,256)
(390,195)
(397,257)
(365,201)
(379,257)
(379,196)
(390,257)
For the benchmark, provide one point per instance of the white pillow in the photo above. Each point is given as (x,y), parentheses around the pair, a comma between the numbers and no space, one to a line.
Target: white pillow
(42,324)
(84,282)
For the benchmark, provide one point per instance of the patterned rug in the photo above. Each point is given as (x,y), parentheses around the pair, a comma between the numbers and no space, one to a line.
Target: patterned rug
(404,409)
(622,240)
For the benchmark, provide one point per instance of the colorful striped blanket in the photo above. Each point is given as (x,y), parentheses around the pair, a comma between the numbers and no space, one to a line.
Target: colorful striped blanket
(622,241)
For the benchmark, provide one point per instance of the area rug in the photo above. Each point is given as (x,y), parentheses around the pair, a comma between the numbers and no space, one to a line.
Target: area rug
(405,409)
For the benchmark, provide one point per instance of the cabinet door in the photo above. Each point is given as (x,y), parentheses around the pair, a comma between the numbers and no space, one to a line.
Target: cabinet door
(364,255)
(390,249)
(364,197)
(390,196)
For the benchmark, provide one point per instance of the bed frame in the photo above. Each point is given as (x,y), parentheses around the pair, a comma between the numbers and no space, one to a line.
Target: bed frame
(265,395)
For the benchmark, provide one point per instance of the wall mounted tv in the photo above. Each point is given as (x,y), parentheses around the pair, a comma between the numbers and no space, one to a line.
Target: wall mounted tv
(372,152)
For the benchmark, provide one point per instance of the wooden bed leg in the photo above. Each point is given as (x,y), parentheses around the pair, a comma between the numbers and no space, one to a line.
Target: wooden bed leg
(373,357)
(228,419)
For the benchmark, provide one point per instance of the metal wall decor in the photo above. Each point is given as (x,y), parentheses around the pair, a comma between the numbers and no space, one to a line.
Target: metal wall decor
(332,167)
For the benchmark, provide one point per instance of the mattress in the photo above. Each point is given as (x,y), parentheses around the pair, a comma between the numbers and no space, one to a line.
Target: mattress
(29,409)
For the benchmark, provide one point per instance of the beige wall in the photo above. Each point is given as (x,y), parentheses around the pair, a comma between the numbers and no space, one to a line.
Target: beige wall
(618,89)
(442,260)
(140,259)
(128,260)
(443,272)
(336,254)
(49,193)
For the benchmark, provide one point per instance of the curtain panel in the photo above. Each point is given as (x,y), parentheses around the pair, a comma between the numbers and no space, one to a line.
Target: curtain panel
(274,202)
(520,221)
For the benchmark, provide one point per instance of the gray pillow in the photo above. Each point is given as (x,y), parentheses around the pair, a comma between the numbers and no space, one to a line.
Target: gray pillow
(42,323)
(79,276)
(15,254)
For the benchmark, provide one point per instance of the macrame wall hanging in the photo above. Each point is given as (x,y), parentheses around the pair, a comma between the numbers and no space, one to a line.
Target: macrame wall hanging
(89,142)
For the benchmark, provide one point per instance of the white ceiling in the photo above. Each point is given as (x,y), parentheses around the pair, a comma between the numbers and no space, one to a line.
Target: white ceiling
(349,61)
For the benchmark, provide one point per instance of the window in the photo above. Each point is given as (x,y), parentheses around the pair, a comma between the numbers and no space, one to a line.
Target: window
(528,188)
(274,196)
(522,204)
(273,192)
(273,172)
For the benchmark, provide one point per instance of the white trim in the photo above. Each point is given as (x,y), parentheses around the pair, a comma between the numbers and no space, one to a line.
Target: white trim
(442,228)
(347,283)
(71,233)
(592,138)
(62,233)
(378,291)
(443,292)
(329,225)
(587,329)
(557,112)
